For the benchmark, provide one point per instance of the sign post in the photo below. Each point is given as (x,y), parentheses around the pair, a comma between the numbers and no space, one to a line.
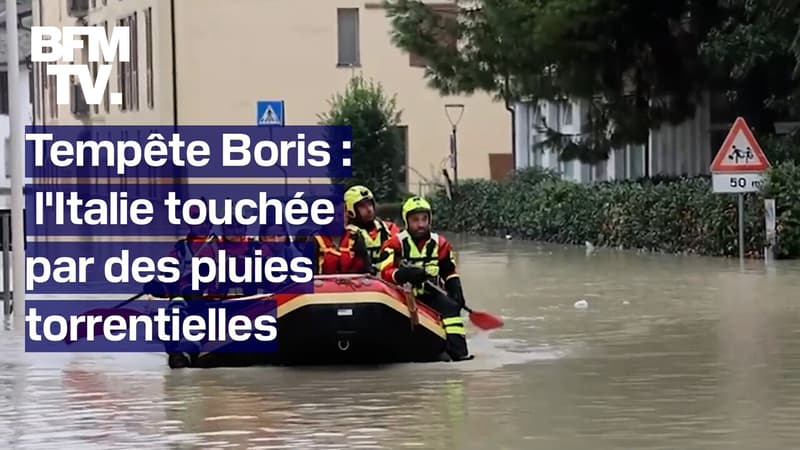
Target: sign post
(738,168)
(272,113)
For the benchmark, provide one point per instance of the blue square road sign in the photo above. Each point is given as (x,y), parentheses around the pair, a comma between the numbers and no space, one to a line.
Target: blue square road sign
(270,113)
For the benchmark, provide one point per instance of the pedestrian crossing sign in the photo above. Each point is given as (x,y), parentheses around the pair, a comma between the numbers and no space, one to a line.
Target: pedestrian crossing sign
(270,112)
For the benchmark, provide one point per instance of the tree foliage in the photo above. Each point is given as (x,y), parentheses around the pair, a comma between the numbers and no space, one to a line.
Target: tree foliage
(752,61)
(377,145)
(637,64)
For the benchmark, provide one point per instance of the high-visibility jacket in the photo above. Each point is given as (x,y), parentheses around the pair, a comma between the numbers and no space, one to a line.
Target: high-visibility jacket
(434,254)
(187,248)
(327,255)
(374,237)
(238,249)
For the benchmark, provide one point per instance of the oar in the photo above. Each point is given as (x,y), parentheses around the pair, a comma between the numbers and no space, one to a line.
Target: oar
(129,300)
(480,319)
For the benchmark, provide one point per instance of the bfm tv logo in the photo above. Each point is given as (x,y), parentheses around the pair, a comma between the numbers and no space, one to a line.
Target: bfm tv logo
(62,43)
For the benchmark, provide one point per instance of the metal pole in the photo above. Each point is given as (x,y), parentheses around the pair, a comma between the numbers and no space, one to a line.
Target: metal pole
(455,157)
(6,272)
(453,144)
(16,116)
(741,227)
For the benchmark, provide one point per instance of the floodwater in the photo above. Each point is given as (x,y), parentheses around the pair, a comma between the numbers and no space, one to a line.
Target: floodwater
(669,353)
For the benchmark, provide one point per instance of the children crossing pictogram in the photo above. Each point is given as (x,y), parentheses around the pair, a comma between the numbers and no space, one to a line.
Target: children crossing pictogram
(740,151)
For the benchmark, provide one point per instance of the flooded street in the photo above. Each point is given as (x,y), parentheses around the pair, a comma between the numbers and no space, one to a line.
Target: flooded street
(669,353)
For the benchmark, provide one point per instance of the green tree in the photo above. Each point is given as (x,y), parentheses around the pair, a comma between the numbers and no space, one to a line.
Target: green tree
(750,56)
(377,146)
(638,64)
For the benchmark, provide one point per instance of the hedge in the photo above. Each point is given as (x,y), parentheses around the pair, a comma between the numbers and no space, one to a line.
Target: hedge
(673,215)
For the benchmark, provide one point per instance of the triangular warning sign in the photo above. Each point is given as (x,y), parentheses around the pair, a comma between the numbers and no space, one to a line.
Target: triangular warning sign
(269,117)
(740,152)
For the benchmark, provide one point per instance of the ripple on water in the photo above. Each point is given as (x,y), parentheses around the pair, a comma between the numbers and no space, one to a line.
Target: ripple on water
(701,357)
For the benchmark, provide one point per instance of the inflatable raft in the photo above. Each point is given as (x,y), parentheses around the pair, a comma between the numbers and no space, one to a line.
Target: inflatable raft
(349,319)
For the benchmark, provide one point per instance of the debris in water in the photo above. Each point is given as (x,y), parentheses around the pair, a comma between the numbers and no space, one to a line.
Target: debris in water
(625,302)
(581,304)
(508,237)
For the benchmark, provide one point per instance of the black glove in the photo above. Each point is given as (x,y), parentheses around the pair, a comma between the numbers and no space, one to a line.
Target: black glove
(454,291)
(410,274)
(359,246)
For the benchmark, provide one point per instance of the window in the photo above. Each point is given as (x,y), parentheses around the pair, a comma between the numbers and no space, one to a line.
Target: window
(600,171)
(106,97)
(41,81)
(567,169)
(52,100)
(638,168)
(633,160)
(94,76)
(568,114)
(32,89)
(148,26)
(35,93)
(349,54)
(123,77)
(134,66)
(4,93)
(127,72)
(8,157)
(445,13)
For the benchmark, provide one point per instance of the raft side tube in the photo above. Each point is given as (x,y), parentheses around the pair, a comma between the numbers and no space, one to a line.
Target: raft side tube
(344,323)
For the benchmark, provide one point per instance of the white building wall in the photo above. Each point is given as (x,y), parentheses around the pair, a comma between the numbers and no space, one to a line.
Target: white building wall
(5,175)
(684,148)
(671,150)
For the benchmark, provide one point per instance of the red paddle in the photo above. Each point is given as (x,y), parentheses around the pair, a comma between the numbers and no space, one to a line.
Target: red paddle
(481,319)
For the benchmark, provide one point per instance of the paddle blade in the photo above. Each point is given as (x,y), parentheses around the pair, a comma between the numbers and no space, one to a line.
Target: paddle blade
(485,320)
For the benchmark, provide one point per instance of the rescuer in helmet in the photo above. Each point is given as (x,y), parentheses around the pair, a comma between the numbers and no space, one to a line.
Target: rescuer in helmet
(417,256)
(365,234)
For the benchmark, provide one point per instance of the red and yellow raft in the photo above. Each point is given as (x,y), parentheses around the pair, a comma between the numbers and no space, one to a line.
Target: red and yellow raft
(348,319)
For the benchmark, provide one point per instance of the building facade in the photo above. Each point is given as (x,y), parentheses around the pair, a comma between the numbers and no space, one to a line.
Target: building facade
(26,93)
(685,148)
(671,150)
(207,62)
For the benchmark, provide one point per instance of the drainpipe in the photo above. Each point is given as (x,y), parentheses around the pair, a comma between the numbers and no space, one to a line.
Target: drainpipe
(174,65)
(177,173)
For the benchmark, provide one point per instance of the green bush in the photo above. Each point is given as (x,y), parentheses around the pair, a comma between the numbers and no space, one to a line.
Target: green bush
(674,215)
(377,140)
(783,184)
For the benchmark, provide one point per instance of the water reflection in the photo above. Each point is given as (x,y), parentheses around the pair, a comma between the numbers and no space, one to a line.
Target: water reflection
(671,352)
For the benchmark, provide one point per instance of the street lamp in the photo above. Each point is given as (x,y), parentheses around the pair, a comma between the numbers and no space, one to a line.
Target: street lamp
(453,146)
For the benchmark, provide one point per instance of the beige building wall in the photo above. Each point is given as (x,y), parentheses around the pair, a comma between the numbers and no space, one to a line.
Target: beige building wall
(108,12)
(231,54)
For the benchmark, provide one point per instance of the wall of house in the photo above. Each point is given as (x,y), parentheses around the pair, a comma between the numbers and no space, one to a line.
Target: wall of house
(671,150)
(5,175)
(231,54)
